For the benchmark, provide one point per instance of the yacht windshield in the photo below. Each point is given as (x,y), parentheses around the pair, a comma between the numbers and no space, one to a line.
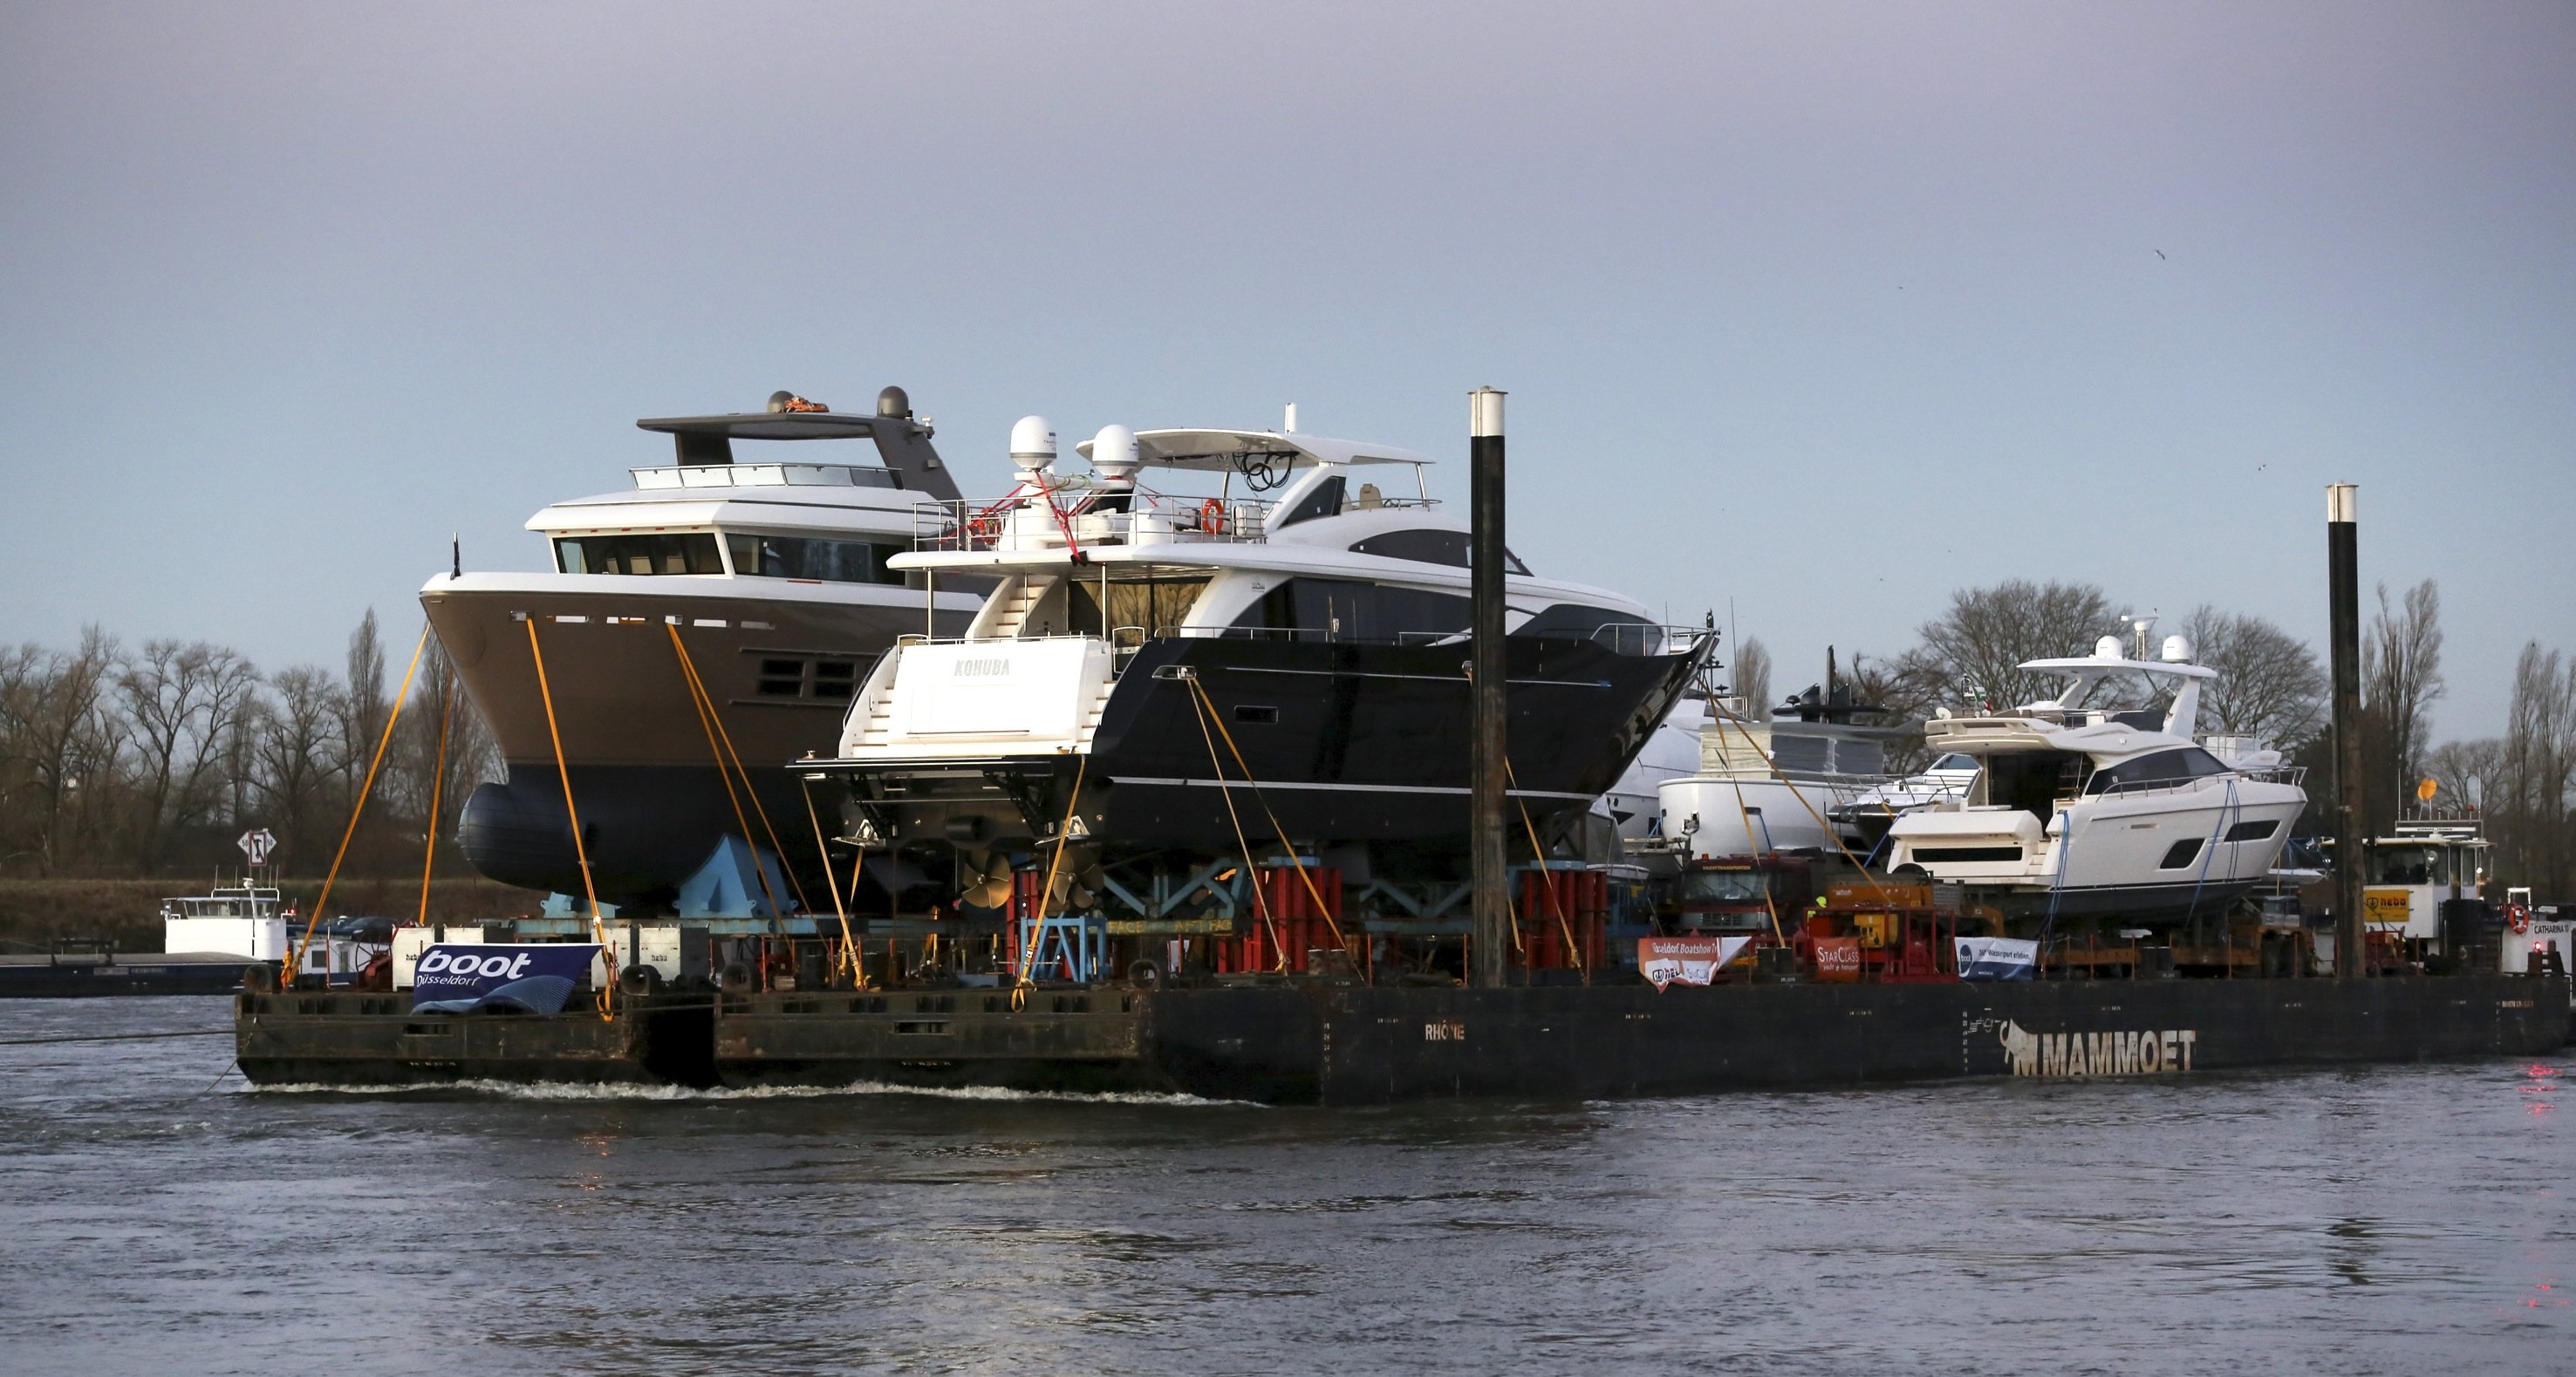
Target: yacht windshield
(692,553)
(824,561)
(2159,769)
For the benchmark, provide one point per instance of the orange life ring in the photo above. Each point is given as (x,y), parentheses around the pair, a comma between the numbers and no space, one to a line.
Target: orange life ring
(2519,915)
(1212,517)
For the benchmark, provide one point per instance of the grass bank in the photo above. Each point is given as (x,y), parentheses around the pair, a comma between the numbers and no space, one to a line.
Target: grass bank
(128,912)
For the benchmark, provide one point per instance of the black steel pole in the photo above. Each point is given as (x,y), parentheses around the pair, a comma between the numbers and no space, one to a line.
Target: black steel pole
(1492,936)
(2343,595)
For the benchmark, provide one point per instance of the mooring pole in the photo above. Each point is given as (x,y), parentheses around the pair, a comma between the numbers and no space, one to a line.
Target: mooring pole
(1493,915)
(2343,596)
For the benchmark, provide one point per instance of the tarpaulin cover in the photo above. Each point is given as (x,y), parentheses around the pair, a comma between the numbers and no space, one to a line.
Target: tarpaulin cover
(1996,958)
(526,978)
(1686,960)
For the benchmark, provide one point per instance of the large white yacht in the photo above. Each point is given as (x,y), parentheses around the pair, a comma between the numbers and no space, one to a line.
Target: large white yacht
(1279,653)
(775,573)
(2082,806)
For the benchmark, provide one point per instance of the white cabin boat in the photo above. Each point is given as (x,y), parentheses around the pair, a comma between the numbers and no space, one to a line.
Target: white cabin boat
(2084,807)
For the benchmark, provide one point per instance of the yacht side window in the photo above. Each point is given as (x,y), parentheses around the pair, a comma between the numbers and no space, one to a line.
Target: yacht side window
(1325,500)
(2157,770)
(692,553)
(1955,761)
(1311,609)
(1431,546)
(824,561)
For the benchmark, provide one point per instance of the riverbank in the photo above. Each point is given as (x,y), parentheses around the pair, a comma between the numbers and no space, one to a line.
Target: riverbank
(127,912)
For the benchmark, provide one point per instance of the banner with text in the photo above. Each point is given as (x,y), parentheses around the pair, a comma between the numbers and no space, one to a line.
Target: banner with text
(532,977)
(1996,958)
(1686,960)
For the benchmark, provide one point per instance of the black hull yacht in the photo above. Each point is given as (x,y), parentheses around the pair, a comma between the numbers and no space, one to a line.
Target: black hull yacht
(1205,677)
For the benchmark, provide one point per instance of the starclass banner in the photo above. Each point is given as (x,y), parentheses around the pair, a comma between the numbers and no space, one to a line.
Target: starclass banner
(1996,958)
(1686,960)
(530,978)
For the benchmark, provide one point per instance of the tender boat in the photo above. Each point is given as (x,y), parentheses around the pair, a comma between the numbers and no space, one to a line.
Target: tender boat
(1281,659)
(2080,806)
(1869,813)
(775,575)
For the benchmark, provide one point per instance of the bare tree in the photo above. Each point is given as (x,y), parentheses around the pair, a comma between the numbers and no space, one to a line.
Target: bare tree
(65,738)
(2539,767)
(301,753)
(1753,677)
(423,772)
(1906,690)
(2401,676)
(2269,685)
(182,700)
(2469,774)
(1973,652)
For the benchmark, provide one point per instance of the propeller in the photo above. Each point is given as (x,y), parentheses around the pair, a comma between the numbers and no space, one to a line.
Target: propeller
(988,879)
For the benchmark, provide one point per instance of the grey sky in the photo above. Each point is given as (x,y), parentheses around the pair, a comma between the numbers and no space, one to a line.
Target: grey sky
(1824,310)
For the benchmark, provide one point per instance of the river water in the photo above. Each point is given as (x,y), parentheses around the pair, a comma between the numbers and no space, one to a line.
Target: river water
(157,1216)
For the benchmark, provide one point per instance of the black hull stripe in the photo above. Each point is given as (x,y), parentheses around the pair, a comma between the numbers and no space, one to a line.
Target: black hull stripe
(1284,785)
(1425,678)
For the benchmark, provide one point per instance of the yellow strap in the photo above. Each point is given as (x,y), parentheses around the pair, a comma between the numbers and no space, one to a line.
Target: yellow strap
(437,783)
(1260,902)
(1538,857)
(1811,809)
(1280,832)
(831,882)
(1769,904)
(708,724)
(312,924)
(1063,838)
(580,850)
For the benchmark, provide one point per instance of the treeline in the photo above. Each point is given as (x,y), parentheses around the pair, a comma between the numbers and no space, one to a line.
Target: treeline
(2272,687)
(151,760)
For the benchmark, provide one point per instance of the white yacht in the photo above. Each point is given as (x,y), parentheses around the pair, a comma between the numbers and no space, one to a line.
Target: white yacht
(2080,806)
(1278,653)
(775,574)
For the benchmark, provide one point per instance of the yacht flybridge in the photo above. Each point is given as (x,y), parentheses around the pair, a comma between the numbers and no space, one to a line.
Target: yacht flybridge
(1279,655)
(2082,806)
(772,573)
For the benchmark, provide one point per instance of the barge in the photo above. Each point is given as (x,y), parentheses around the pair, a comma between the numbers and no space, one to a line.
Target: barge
(1321,1042)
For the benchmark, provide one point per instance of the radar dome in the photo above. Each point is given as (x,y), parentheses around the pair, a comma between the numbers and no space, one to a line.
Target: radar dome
(1113,453)
(2177,651)
(2107,648)
(1033,442)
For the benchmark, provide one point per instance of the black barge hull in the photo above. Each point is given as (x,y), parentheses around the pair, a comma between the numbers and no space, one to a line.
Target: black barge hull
(1355,1045)
(145,974)
(308,1038)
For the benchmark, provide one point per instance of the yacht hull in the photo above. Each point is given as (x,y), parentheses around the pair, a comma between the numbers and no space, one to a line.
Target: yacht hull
(643,770)
(1342,743)
(1752,817)
(2159,854)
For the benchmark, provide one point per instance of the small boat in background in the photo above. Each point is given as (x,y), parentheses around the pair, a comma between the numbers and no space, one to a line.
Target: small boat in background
(207,940)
